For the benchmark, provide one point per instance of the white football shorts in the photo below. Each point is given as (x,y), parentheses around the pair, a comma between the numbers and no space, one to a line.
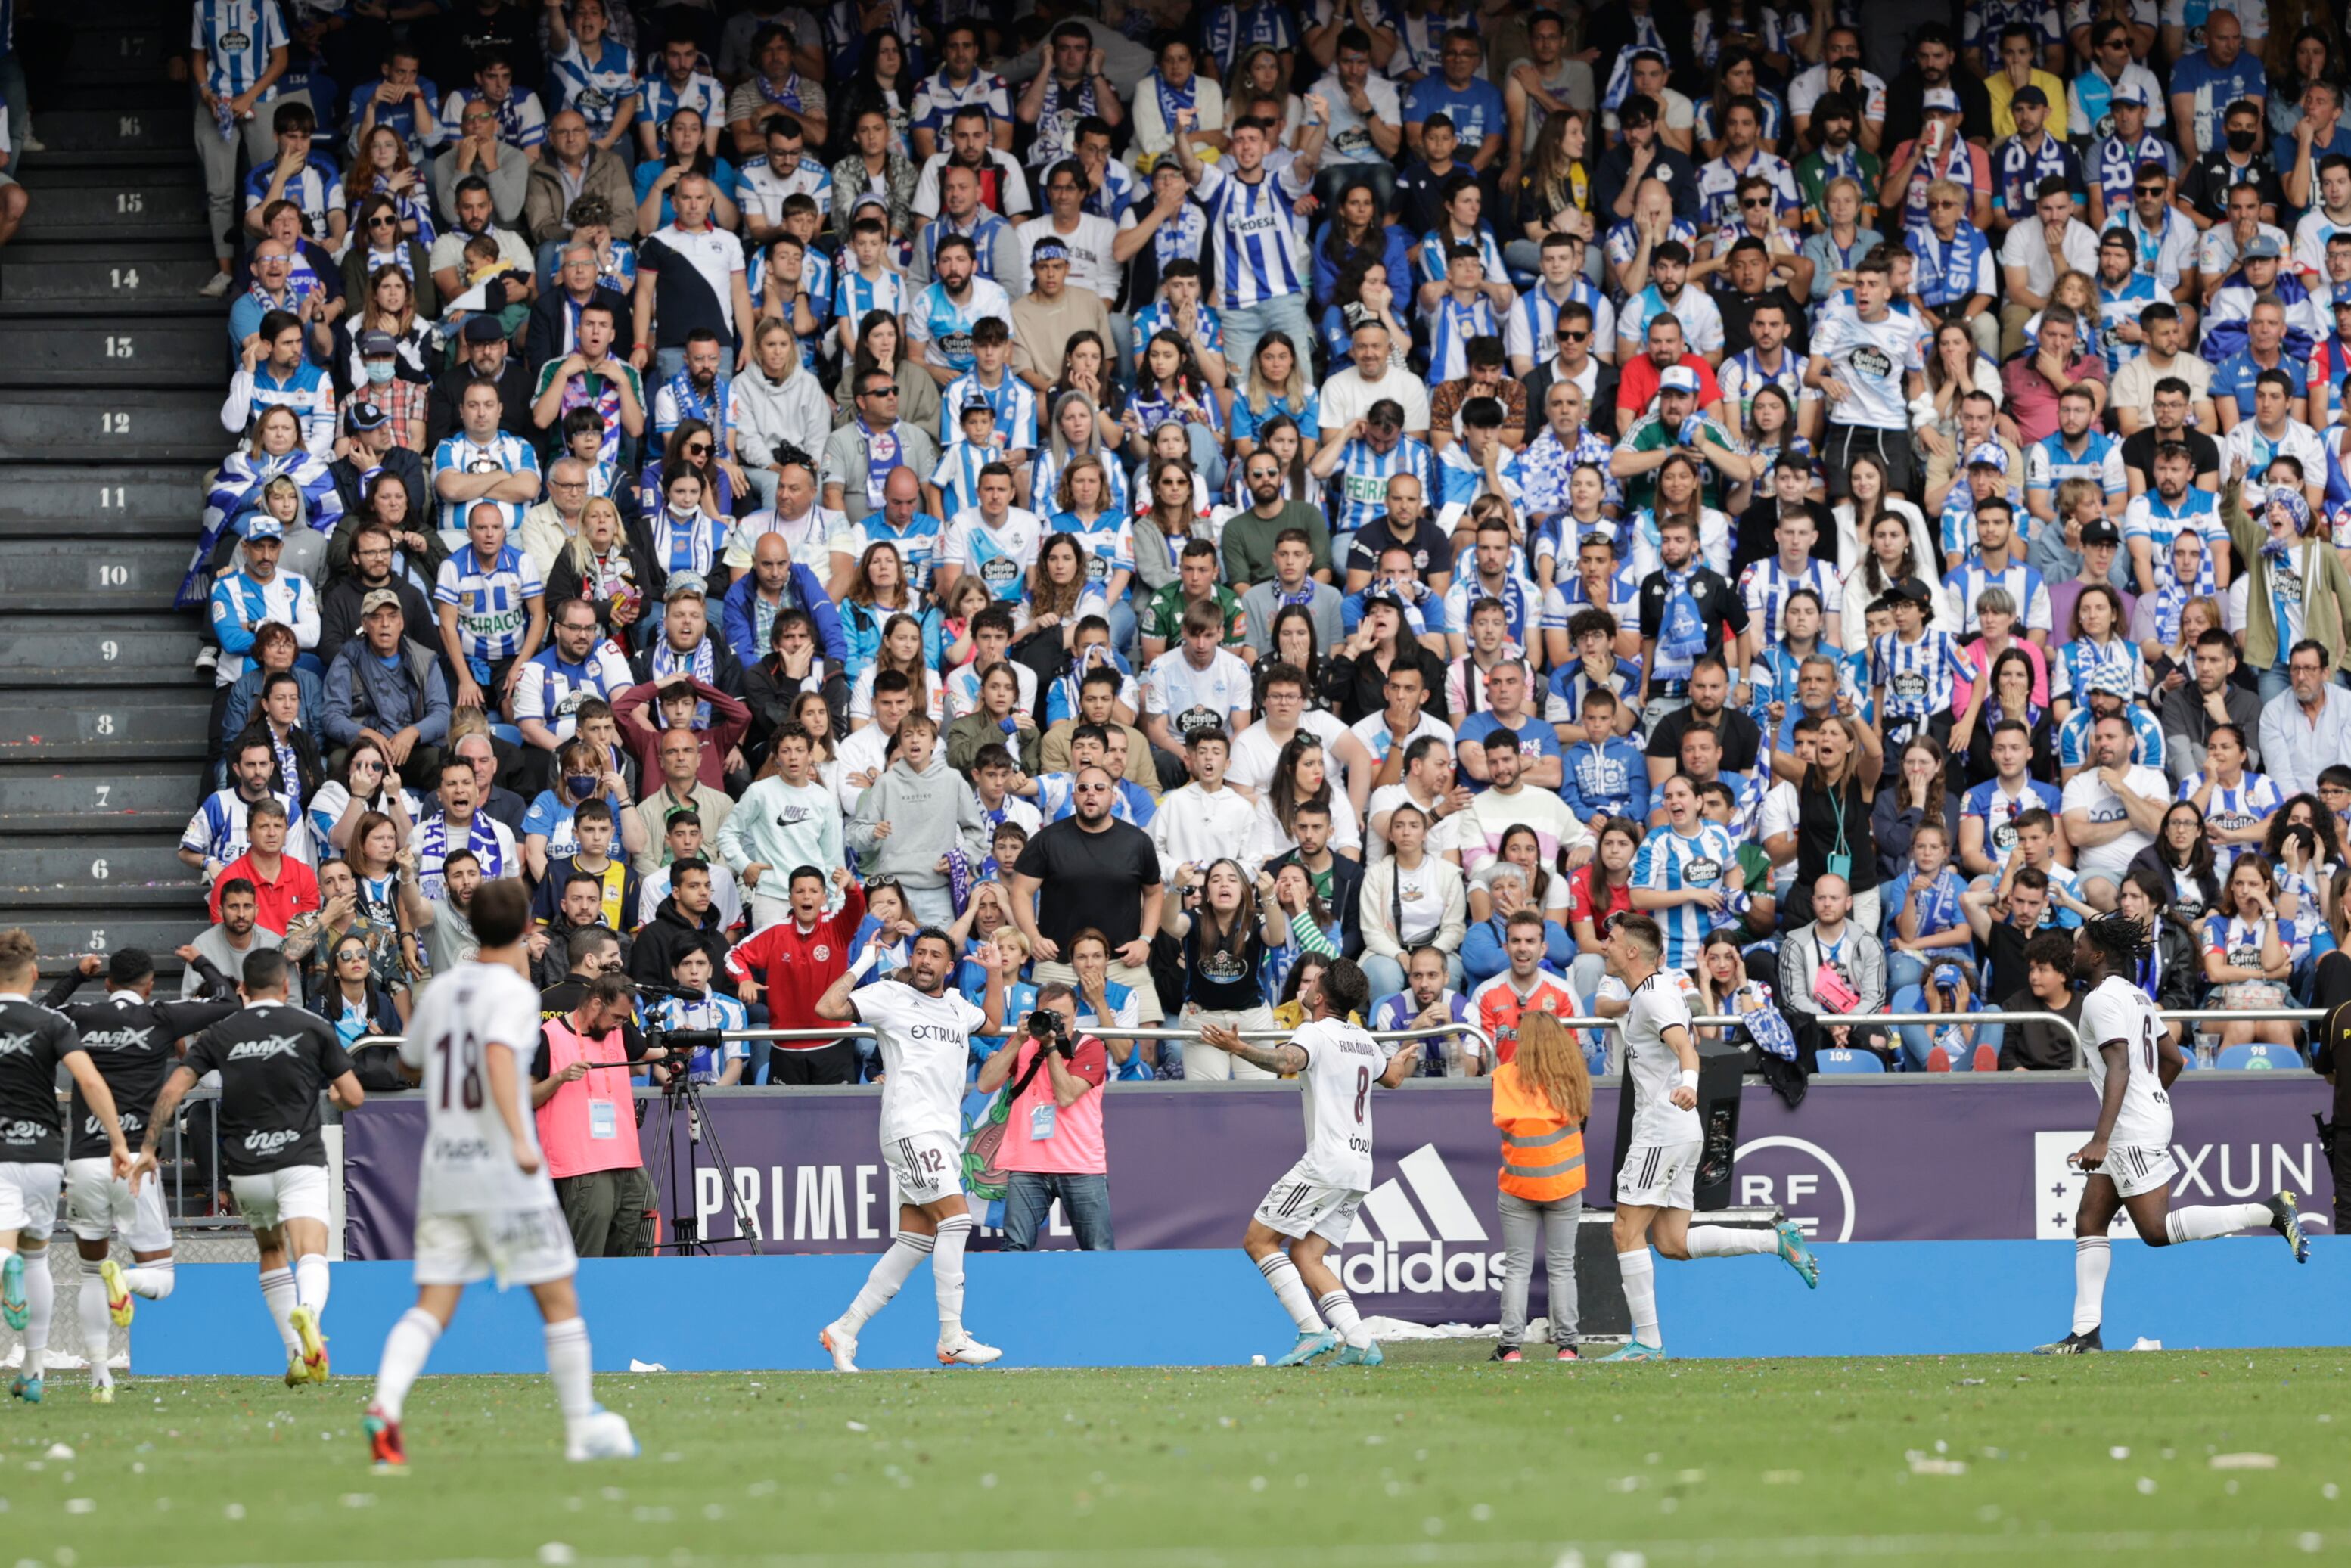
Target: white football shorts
(1659,1176)
(926,1166)
(2138,1167)
(1298,1205)
(269,1200)
(29,1199)
(518,1246)
(100,1205)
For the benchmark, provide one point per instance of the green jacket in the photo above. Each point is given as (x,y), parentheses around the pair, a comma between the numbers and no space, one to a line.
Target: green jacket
(2327,607)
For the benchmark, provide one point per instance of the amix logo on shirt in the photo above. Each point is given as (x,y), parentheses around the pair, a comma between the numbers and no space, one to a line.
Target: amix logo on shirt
(263,1049)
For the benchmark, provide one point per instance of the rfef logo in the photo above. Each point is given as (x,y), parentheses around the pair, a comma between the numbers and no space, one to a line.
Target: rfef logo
(1799,1179)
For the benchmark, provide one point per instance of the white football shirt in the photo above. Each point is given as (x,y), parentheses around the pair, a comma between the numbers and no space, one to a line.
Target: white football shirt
(2117,1010)
(925,1047)
(1658,1005)
(468,1165)
(1342,1066)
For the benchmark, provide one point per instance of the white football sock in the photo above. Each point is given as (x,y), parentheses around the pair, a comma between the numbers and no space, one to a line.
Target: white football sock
(41,1298)
(97,1326)
(277,1293)
(2092,1256)
(571,1368)
(946,1273)
(152,1280)
(889,1271)
(1639,1271)
(2215,1220)
(1290,1291)
(1338,1308)
(310,1281)
(1729,1241)
(405,1351)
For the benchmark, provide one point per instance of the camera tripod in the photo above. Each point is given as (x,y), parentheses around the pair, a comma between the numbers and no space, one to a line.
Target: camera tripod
(684,1223)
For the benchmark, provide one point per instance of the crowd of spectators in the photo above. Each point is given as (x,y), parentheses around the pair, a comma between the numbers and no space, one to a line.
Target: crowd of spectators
(1182,492)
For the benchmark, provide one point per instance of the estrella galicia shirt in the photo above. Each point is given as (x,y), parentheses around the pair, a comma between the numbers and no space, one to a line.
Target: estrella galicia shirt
(237,38)
(492,601)
(274,1061)
(33,1041)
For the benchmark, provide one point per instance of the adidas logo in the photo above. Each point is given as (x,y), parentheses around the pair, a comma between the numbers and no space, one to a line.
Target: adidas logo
(1419,1235)
(1391,1213)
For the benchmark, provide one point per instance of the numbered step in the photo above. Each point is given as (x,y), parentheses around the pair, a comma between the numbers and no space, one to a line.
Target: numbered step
(114,210)
(91,868)
(116,53)
(101,351)
(114,130)
(112,501)
(149,728)
(64,936)
(97,797)
(77,654)
(77,575)
(112,285)
(126,426)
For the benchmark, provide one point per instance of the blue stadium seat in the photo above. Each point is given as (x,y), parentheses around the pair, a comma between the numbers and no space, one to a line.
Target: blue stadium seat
(1840,1061)
(2258,1057)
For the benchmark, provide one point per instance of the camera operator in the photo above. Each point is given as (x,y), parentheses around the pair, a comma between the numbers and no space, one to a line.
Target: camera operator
(1053,1139)
(581,1096)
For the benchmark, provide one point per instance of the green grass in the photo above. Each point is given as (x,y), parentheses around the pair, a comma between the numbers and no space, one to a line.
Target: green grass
(1437,1458)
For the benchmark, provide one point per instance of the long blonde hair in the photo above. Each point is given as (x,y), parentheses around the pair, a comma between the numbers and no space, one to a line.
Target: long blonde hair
(1551,1063)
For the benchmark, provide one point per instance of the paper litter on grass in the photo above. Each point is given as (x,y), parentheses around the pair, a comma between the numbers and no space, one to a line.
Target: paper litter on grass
(2244,1461)
(636,1365)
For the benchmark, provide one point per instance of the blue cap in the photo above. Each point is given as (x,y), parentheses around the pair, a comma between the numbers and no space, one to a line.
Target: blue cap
(262,526)
(2342,294)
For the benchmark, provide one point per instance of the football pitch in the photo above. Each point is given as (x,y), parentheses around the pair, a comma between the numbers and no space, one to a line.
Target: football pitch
(1439,1458)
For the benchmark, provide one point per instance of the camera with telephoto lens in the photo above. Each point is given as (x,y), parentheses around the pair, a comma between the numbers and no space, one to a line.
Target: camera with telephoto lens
(1050,1030)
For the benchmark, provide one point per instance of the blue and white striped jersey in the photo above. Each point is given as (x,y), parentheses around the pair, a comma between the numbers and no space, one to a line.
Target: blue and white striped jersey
(1917,677)
(2150,518)
(937,99)
(502,454)
(2233,807)
(1014,402)
(1999,811)
(318,189)
(957,473)
(1962,588)
(1108,541)
(1256,231)
(660,97)
(1045,480)
(491,610)
(855,294)
(595,87)
(1765,586)
(552,690)
(2082,667)
(235,37)
(522,122)
(761,188)
(217,831)
(2051,461)
(1364,474)
(2074,737)
(1670,861)
(1532,331)
(1451,325)
(679,399)
(1233,29)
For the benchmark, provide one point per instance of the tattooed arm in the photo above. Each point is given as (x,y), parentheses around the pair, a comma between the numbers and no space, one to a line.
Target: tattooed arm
(1285,1059)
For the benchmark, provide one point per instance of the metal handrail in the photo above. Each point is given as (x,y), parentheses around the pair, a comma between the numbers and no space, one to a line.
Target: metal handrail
(862,1031)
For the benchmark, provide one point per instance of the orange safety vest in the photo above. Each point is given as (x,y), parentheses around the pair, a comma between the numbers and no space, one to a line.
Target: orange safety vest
(590,1125)
(1542,1152)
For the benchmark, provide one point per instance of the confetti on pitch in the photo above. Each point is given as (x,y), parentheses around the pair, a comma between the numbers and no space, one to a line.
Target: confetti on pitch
(2244,1461)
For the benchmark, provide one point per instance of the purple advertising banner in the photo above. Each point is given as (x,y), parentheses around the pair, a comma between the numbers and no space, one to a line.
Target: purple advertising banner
(1953,1158)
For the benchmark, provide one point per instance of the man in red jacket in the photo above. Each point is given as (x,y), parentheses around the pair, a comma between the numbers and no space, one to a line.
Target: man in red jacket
(795,961)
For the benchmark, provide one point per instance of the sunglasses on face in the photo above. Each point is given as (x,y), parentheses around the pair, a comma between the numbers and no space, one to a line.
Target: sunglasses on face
(383,221)
(699,449)
(1575,337)
(1755,201)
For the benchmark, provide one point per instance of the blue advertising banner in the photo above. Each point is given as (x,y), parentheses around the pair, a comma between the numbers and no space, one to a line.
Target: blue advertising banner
(1951,1159)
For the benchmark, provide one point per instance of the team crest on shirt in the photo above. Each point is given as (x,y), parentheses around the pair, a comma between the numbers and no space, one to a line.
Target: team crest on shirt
(1871,360)
(821,953)
(1699,589)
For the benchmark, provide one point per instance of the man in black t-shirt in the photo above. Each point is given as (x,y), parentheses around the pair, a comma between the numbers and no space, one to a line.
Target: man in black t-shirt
(274,1060)
(1105,874)
(2170,410)
(133,1041)
(2001,933)
(33,1042)
(1709,693)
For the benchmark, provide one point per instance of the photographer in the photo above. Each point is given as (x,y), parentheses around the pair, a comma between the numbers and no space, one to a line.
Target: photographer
(581,1096)
(1053,1140)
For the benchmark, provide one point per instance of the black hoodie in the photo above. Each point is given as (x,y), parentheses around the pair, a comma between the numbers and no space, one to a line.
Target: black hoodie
(669,935)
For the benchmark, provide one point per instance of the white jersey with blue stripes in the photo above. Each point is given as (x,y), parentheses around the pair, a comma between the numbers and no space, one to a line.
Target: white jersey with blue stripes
(1256,231)
(235,37)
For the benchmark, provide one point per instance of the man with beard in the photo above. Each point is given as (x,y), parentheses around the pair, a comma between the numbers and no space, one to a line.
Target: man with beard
(2113,810)
(940,317)
(460,827)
